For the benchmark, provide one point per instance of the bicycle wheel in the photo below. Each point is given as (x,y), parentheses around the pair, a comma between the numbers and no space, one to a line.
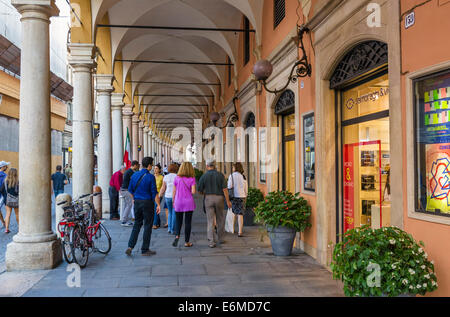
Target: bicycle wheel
(102,240)
(80,249)
(66,248)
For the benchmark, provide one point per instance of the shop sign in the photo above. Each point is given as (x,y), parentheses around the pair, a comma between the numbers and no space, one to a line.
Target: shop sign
(349,199)
(372,96)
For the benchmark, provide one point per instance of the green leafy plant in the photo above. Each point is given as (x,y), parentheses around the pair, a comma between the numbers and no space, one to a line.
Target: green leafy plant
(402,264)
(198,173)
(254,197)
(282,208)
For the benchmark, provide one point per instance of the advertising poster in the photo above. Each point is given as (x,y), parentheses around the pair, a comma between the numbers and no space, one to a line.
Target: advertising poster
(438,177)
(349,187)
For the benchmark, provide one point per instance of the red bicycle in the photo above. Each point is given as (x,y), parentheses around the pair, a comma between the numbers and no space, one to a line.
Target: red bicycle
(83,233)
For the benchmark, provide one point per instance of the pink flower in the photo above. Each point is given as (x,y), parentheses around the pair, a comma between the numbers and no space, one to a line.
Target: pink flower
(285,202)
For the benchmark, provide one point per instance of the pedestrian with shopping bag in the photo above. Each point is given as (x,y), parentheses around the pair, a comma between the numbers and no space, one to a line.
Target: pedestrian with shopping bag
(214,186)
(238,189)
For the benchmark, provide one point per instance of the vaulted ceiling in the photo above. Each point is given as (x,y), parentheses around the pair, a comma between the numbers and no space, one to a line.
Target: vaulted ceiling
(143,44)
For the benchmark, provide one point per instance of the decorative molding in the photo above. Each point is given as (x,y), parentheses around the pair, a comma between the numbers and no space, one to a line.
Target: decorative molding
(286,102)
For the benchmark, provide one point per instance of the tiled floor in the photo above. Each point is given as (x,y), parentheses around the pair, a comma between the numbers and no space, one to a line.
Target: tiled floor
(240,267)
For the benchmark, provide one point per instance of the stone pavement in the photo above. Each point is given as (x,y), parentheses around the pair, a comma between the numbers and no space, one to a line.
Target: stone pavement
(239,267)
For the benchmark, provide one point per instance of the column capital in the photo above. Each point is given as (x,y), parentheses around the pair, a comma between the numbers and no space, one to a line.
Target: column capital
(141,125)
(36,8)
(146,129)
(117,100)
(128,110)
(81,55)
(135,119)
(103,83)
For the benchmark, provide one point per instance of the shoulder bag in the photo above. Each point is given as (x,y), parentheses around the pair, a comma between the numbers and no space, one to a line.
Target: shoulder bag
(11,200)
(231,190)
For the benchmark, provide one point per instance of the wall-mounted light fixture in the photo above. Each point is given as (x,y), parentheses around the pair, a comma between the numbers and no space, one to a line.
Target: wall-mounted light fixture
(234,117)
(263,68)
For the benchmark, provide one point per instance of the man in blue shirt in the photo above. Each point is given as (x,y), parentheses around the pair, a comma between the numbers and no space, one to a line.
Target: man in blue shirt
(59,180)
(143,189)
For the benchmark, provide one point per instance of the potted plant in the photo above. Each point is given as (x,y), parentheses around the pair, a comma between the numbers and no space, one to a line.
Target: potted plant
(382,262)
(284,214)
(254,197)
(198,173)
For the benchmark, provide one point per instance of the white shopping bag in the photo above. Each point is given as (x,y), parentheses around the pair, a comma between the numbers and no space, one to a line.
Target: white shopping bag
(229,221)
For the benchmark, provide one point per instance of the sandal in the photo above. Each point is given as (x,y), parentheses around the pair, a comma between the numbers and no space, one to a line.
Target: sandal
(188,244)
(175,242)
(7,231)
(166,225)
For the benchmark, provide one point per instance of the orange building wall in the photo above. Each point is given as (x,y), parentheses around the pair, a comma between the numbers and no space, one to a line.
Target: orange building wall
(431,29)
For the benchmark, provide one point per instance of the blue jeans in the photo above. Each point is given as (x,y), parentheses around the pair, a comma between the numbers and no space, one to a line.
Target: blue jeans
(171,221)
(157,219)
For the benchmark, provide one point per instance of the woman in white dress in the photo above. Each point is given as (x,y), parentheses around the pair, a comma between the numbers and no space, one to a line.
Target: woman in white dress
(237,182)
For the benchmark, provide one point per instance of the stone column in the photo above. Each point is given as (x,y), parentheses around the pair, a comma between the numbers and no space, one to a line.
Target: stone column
(117,130)
(135,137)
(141,140)
(36,246)
(104,88)
(150,142)
(145,143)
(82,62)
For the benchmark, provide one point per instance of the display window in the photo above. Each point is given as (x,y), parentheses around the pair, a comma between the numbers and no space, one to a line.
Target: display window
(432,129)
(309,153)
(365,154)
(289,152)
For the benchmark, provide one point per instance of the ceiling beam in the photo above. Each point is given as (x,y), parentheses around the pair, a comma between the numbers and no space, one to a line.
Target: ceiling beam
(153,95)
(185,28)
(172,105)
(173,62)
(169,83)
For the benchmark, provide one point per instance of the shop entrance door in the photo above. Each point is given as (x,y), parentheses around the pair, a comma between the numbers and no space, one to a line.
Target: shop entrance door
(365,169)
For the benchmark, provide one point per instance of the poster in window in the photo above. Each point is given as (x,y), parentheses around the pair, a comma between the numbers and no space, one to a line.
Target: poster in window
(433,107)
(308,153)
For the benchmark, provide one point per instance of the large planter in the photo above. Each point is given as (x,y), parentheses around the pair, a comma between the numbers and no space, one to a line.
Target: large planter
(249,216)
(282,240)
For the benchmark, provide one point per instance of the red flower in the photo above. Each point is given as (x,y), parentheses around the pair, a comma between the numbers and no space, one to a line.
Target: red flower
(285,202)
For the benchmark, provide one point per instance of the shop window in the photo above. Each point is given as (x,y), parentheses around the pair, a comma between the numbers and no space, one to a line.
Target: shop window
(432,131)
(309,153)
(246,41)
(366,154)
(262,155)
(279,12)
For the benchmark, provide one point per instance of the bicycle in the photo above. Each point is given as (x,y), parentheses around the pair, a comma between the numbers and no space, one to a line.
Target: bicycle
(66,225)
(89,235)
(86,233)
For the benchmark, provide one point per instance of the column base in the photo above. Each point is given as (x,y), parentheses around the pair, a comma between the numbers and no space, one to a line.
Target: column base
(33,255)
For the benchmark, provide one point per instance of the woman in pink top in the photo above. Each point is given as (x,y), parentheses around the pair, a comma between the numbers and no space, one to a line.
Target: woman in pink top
(183,201)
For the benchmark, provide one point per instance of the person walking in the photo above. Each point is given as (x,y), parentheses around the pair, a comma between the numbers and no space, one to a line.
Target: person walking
(126,198)
(214,186)
(183,201)
(114,187)
(68,172)
(10,193)
(238,183)
(58,180)
(3,175)
(167,191)
(159,181)
(143,190)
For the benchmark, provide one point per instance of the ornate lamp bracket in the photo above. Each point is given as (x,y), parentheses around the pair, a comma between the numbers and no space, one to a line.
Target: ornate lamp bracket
(301,68)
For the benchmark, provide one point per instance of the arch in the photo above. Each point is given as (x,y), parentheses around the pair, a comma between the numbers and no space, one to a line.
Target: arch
(250,120)
(285,102)
(362,58)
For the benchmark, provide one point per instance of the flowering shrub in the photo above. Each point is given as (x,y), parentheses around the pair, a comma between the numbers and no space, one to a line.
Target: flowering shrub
(282,208)
(254,197)
(403,265)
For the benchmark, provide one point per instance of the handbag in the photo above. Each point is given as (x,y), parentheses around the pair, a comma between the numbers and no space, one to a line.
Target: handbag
(231,190)
(11,200)
(229,221)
